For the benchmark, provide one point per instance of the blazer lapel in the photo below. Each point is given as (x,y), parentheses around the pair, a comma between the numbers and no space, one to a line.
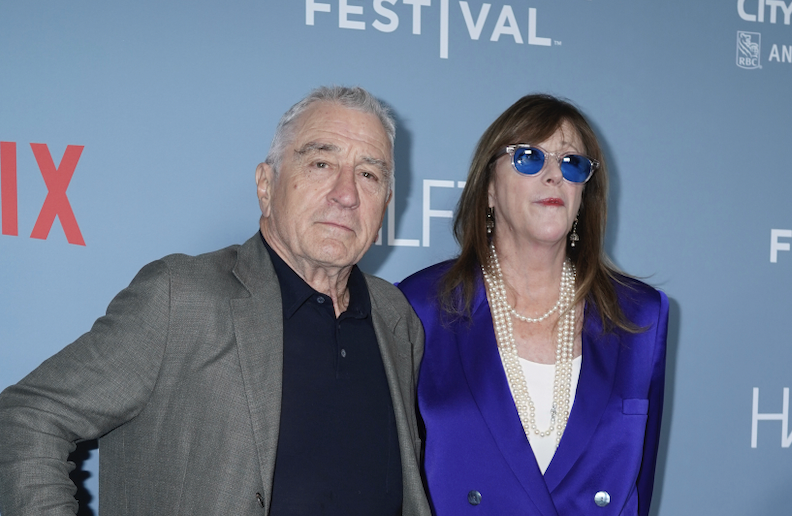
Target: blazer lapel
(597,376)
(397,364)
(258,327)
(400,370)
(478,353)
(397,371)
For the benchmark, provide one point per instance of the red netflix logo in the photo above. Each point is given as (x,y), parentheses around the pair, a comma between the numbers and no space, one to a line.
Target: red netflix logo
(56,204)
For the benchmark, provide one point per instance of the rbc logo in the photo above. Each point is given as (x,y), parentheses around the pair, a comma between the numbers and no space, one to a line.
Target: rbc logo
(749,46)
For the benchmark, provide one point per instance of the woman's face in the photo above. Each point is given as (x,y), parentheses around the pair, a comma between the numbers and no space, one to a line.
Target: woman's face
(537,209)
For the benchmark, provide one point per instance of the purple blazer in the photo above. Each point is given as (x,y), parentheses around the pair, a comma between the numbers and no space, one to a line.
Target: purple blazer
(477,459)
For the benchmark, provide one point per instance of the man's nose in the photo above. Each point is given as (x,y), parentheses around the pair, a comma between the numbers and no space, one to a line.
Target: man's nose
(345,191)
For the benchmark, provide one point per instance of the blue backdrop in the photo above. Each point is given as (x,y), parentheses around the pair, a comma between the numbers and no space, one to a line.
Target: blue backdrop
(135,127)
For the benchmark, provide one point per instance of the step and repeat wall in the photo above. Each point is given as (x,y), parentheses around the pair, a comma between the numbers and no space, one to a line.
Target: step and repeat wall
(131,130)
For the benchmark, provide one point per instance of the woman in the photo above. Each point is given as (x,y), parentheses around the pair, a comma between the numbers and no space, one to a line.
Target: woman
(541,386)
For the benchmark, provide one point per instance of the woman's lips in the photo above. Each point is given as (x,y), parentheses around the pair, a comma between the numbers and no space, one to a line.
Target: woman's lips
(551,201)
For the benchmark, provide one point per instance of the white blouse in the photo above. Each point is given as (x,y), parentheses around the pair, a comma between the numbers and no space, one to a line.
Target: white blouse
(539,379)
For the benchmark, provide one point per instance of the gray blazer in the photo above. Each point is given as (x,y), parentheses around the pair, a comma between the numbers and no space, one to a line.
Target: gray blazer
(181,383)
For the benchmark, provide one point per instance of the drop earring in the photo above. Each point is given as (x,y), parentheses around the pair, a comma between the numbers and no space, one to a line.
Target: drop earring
(490,220)
(573,236)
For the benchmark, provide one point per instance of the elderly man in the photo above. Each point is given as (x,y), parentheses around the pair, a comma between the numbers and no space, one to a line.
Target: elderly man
(267,378)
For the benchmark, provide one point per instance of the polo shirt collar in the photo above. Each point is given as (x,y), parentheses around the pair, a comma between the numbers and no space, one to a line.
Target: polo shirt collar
(295,291)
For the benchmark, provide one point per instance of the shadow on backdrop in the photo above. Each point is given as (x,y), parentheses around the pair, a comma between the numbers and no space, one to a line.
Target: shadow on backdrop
(672,356)
(614,191)
(377,254)
(674,315)
(80,475)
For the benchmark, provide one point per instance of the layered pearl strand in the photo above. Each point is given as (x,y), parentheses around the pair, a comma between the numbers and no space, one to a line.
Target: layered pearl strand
(502,313)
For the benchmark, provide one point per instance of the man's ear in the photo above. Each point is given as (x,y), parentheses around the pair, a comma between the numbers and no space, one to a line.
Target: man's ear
(264,181)
(387,202)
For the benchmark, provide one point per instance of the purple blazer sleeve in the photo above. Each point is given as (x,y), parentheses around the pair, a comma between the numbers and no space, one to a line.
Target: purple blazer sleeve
(475,444)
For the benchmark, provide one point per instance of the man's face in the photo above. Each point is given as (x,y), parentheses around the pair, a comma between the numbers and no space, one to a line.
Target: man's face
(325,206)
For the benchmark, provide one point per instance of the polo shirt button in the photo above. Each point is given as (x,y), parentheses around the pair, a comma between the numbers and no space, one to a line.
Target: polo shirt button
(343,353)
(474,498)
(602,498)
(320,300)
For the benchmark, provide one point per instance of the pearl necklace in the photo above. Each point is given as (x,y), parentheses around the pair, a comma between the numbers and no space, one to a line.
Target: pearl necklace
(501,293)
(507,347)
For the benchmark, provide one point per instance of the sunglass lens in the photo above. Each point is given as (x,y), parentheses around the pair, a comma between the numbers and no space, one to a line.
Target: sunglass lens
(575,168)
(528,160)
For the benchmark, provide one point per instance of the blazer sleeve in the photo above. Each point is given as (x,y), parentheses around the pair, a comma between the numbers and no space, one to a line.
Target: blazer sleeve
(646,473)
(92,386)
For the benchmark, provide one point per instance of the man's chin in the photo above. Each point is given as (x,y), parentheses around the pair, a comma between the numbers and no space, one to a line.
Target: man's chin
(333,252)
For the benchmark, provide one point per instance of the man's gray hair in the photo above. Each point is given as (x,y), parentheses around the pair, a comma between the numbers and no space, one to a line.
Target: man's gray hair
(348,97)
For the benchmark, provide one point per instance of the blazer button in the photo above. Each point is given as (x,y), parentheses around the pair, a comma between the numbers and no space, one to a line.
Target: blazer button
(474,498)
(602,498)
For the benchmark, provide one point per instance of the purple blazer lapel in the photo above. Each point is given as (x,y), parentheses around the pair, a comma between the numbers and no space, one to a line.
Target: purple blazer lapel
(597,376)
(484,373)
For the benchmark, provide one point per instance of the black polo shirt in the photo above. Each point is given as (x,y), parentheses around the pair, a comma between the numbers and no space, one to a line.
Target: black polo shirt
(338,452)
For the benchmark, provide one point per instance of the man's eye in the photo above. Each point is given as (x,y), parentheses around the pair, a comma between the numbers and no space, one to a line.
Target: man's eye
(321,164)
(369,175)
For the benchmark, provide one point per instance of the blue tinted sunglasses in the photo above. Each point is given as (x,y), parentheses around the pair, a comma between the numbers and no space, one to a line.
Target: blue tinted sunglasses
(529,160)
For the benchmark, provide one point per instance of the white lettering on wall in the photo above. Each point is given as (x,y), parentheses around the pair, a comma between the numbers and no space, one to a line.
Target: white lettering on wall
(392,240)
(778,4)
(393,19)
(474,28)
(312,7)
(344,10)
(416,13)
(775,245)
(533,39)
(507,24)
(443,29)
(783,416)
(785,56)
(428,212)
(352,13)
(761,6)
